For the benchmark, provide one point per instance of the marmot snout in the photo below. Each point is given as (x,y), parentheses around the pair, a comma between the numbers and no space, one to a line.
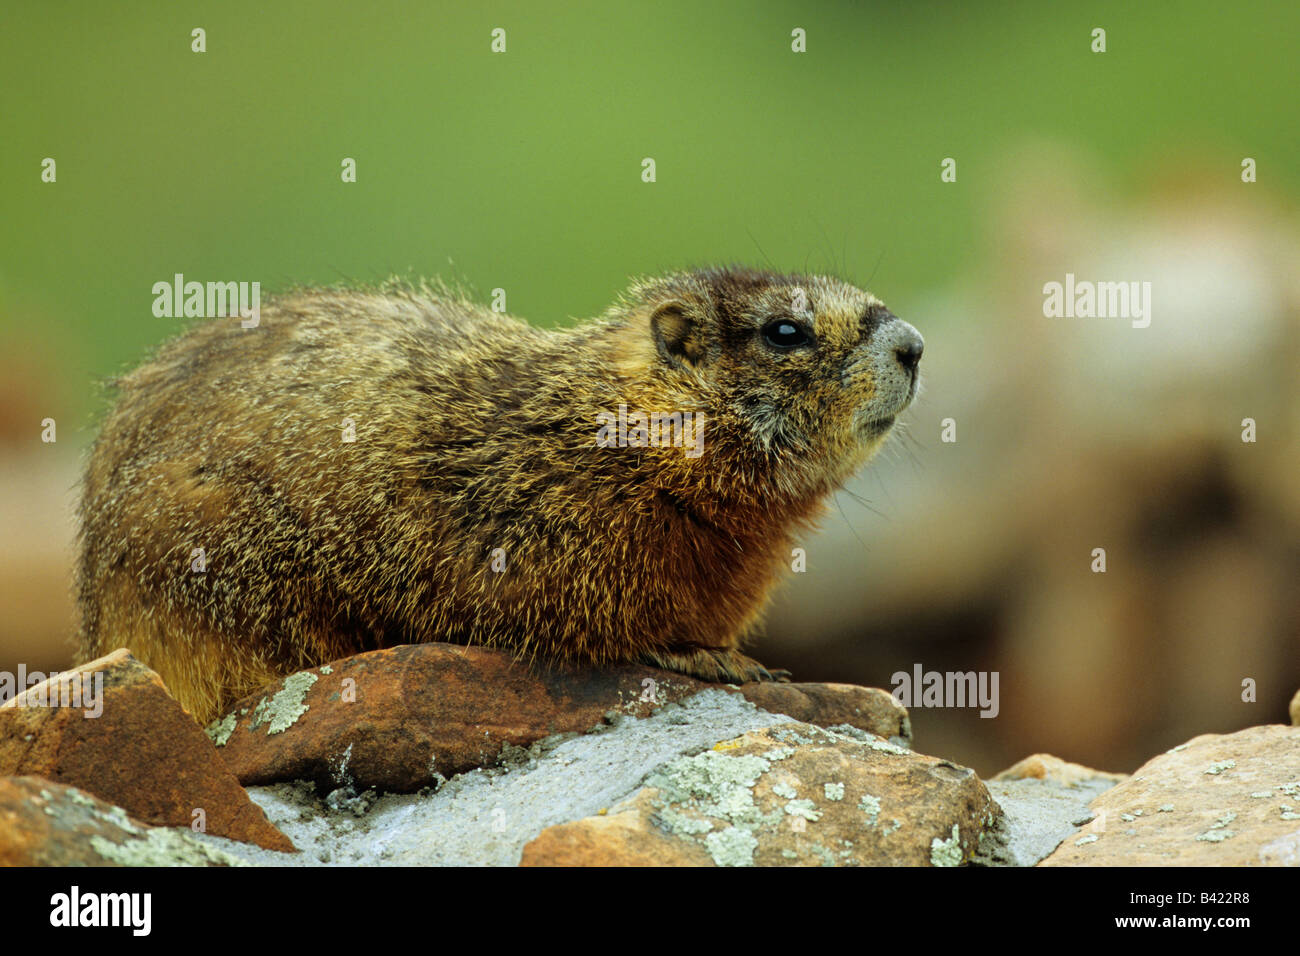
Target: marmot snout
(368,468)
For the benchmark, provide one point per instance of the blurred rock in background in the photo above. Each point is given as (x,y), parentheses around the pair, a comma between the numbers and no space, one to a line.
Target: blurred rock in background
(1075,434)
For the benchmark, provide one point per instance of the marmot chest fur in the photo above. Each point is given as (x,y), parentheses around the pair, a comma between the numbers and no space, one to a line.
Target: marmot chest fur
(369,468)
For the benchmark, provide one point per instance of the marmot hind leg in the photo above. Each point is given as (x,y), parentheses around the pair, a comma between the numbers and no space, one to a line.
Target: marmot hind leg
(200,668)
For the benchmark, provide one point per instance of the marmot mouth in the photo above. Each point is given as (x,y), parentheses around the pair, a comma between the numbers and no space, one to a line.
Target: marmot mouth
(878,426)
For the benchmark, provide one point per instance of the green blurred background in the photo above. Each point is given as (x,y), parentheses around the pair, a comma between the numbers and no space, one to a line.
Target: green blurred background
(523,171)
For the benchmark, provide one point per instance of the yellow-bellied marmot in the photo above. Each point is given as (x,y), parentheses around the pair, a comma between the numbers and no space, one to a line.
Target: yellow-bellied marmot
(369,468)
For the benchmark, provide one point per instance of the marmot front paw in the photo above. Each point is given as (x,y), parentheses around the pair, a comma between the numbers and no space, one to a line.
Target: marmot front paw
(714,664)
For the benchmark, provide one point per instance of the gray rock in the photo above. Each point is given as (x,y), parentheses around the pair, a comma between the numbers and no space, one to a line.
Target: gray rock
(1037,816)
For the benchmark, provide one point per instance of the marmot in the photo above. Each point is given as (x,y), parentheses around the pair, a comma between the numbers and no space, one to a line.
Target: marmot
(375,467)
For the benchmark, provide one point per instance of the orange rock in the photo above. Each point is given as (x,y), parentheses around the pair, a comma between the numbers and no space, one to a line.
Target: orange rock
(402,718)
(47,824)
(866,708)
(1047,767)
(622,838)
(1217,800)
(143,752)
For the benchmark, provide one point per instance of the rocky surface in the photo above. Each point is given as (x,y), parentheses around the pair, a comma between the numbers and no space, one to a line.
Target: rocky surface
(1044,800)
(48,824)
(486,816)
(438,755)
(412,716)
(141,751)
(1219,799)
(788,795)
(712,758)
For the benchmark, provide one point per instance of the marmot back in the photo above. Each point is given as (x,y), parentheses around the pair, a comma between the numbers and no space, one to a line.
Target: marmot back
(370,468)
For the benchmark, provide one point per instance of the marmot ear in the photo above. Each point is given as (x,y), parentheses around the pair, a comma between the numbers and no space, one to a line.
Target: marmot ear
(677,334)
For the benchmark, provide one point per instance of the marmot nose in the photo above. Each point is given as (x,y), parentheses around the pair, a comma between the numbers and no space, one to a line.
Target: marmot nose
(909,347)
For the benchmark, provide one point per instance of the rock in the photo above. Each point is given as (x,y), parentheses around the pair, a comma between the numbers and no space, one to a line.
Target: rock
(794,794)
(141,751)
(1036,816)
(1284,851)
(1217,800)
(867,708)
(616,838)
(1043,799)
(486,817)
(1047,767)
(408,717)
(1295,710)
(48,824)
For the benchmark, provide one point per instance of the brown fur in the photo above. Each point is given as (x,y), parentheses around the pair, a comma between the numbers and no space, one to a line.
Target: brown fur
(474,431)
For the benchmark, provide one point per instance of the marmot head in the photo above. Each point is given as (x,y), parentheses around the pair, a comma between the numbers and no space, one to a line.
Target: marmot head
(808,370)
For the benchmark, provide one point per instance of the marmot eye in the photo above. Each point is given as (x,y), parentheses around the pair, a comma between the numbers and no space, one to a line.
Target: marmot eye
(784,334)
